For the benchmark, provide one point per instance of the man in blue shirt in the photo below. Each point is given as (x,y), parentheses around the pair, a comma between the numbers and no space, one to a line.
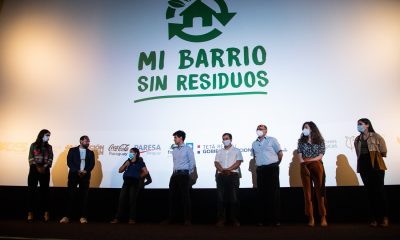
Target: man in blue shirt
(179,184)
(268,155)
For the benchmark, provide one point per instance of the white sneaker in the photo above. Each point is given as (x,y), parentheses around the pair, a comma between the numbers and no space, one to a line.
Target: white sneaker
(64,220)
(83,220)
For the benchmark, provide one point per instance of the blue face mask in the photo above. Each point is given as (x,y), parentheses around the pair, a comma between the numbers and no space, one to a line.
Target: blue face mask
(306,132)
(131,155)
(360,128)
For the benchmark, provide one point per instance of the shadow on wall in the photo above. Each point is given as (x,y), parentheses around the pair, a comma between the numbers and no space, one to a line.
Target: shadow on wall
(97,172)
(345,175)
(116,177)
(59,173)
(294,171)
(253,170)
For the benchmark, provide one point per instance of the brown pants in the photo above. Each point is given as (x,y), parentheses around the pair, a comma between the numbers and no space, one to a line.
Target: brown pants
(313,173)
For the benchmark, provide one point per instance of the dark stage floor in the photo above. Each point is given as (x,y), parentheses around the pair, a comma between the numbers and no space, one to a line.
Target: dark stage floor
(97,230)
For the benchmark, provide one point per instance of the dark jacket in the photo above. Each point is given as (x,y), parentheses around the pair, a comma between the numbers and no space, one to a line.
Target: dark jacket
(74,160)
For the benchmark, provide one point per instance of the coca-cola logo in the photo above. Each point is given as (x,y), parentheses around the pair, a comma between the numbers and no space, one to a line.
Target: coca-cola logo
(119,148)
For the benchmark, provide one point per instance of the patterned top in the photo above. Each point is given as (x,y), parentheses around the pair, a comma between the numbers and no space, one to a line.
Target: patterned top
(41,155)
(309,150)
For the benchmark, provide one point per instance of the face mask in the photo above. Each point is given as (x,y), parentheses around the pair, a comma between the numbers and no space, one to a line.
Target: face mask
(259,133)
(306,132)
(85,146)
(226,142)
(45,138)
(131,155)
(360,128)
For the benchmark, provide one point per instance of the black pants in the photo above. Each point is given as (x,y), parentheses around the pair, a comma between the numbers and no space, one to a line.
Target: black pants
(77,195)
(268,193)
(374,184)
(179,191)
(227,188)
(129,193)
(44,179)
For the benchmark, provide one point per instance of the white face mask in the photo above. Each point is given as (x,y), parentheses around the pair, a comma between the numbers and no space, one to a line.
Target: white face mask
(259,133)
(306,132)
(45,138)
(226,142)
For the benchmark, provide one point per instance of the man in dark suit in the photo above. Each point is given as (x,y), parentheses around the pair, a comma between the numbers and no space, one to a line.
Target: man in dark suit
(80,162)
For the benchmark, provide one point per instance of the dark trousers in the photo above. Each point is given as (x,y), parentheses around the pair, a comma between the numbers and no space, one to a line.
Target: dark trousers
(374,184)
(77,195)
(227,188)
(179,191)
(34,178)
(128,195)
(268,193)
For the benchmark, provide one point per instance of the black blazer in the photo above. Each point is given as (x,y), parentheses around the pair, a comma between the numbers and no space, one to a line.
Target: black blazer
(74,160)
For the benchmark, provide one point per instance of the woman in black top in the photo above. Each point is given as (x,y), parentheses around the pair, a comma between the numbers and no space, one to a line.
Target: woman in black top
(134,170)
(371,149)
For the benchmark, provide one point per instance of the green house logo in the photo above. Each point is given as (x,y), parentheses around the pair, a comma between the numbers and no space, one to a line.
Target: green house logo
(191,9)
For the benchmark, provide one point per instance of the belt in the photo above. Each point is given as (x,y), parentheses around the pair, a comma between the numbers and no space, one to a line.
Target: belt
(269,165)
(228,174)
(175,172)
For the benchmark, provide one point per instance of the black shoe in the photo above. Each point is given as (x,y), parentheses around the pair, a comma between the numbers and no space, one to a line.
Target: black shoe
(166,221)
(277,224)
(260,224)
(187,223)
(220,223)
(236,223)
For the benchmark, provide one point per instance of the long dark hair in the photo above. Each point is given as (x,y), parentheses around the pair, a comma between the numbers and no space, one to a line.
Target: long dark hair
(367,121)
(316,137)
(39,139)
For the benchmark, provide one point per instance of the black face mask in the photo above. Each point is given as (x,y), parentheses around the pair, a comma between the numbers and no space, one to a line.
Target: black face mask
(85,146)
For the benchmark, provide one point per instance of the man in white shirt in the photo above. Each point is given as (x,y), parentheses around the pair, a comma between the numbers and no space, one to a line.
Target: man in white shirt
(227,162)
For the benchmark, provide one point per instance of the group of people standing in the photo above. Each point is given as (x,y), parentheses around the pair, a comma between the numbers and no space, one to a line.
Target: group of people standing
(266,151)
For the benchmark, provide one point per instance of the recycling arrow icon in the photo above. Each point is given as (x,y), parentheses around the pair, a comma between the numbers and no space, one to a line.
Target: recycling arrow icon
(197,9)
